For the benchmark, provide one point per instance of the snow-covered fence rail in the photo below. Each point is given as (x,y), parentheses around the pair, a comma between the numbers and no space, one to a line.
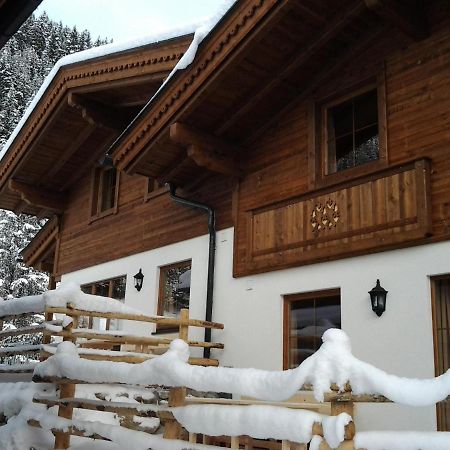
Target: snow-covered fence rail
(332,373)
(95,346)
(22,329)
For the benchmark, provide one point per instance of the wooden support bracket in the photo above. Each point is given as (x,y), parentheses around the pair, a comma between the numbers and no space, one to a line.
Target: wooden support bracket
(39,197)
(97,114)
(205,150)
(410,18)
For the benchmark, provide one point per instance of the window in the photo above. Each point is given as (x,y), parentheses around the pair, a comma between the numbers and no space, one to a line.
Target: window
(174,289)
(350,135)
(441,329)
(352,132)
(113,288)
(153,189)
(306,318)
(105,191)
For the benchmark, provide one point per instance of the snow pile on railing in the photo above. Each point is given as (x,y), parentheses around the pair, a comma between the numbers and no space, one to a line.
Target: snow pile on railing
(14,396)
(332,364)
(261,422)
(24,305)
(67,293)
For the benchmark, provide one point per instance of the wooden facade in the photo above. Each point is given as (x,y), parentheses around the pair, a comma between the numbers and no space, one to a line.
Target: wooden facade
(239,130)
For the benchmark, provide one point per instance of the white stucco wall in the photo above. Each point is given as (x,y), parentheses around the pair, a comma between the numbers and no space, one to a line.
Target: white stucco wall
(399,342)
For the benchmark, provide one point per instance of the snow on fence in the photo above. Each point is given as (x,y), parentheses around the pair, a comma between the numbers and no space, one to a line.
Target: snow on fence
(21,335)
(91,366)
(94,346)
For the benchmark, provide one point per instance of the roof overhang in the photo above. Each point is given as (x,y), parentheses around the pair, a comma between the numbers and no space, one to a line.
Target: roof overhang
(40,252)
(12,15)
(82,111)
(260,59)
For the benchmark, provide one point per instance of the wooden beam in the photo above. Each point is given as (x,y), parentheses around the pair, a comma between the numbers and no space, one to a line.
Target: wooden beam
(212,161)
(173,171)
(328,69)
(70,150)
(88,163)
(206,150)
(317,42)
(97,114)
(409,17)
(185,135)
(42,198)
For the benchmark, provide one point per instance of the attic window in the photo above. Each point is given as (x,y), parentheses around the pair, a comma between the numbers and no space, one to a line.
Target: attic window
(105,191)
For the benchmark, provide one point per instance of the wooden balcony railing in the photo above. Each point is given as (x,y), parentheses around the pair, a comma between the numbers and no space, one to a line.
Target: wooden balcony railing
(387,209)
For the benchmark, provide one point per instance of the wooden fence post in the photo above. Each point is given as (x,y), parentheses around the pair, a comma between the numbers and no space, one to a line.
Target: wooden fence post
(62,439)
(234,442)
(338,407)
(177,395)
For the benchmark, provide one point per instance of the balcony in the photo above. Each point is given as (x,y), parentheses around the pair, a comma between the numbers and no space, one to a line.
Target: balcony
(387,209)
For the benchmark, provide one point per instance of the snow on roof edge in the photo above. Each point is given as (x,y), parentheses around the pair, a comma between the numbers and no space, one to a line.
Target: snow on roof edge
(200,34)
(93,53)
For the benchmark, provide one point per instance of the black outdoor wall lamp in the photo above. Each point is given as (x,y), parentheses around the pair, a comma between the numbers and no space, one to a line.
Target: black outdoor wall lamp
(139,280)
(378,299)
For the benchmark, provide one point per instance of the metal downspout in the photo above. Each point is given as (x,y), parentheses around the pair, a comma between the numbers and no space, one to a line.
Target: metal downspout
(211,256)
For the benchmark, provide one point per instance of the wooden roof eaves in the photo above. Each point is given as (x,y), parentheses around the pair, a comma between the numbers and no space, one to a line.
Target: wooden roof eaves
(71,76)
(182,87)
(41,242)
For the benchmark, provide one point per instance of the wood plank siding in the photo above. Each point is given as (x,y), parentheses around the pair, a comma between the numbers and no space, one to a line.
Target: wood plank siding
(140,224)
(402,200)
(277,196)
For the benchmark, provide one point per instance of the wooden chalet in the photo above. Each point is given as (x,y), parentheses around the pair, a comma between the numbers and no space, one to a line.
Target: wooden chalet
(317,132)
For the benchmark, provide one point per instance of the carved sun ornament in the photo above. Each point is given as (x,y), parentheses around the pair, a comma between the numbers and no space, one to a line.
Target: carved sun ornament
(324,217)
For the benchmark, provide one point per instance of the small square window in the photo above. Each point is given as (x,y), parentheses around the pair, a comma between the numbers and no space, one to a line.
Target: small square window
(174,289)
(306,318)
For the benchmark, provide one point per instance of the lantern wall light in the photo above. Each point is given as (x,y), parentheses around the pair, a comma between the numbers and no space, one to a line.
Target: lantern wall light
(378,299)
(139,280)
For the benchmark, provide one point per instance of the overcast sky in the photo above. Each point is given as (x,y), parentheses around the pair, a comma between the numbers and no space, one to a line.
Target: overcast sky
(126,19)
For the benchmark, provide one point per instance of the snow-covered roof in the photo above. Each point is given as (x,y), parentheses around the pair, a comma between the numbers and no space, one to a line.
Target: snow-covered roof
(93,53)
(200,29)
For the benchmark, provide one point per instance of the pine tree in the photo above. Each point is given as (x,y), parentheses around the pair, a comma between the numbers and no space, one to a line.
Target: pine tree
(24,63)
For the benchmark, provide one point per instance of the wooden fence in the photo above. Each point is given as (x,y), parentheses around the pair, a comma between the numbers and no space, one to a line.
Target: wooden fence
(119,347)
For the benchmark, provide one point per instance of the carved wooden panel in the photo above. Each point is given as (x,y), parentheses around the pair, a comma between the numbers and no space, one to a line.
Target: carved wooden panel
(387,209)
